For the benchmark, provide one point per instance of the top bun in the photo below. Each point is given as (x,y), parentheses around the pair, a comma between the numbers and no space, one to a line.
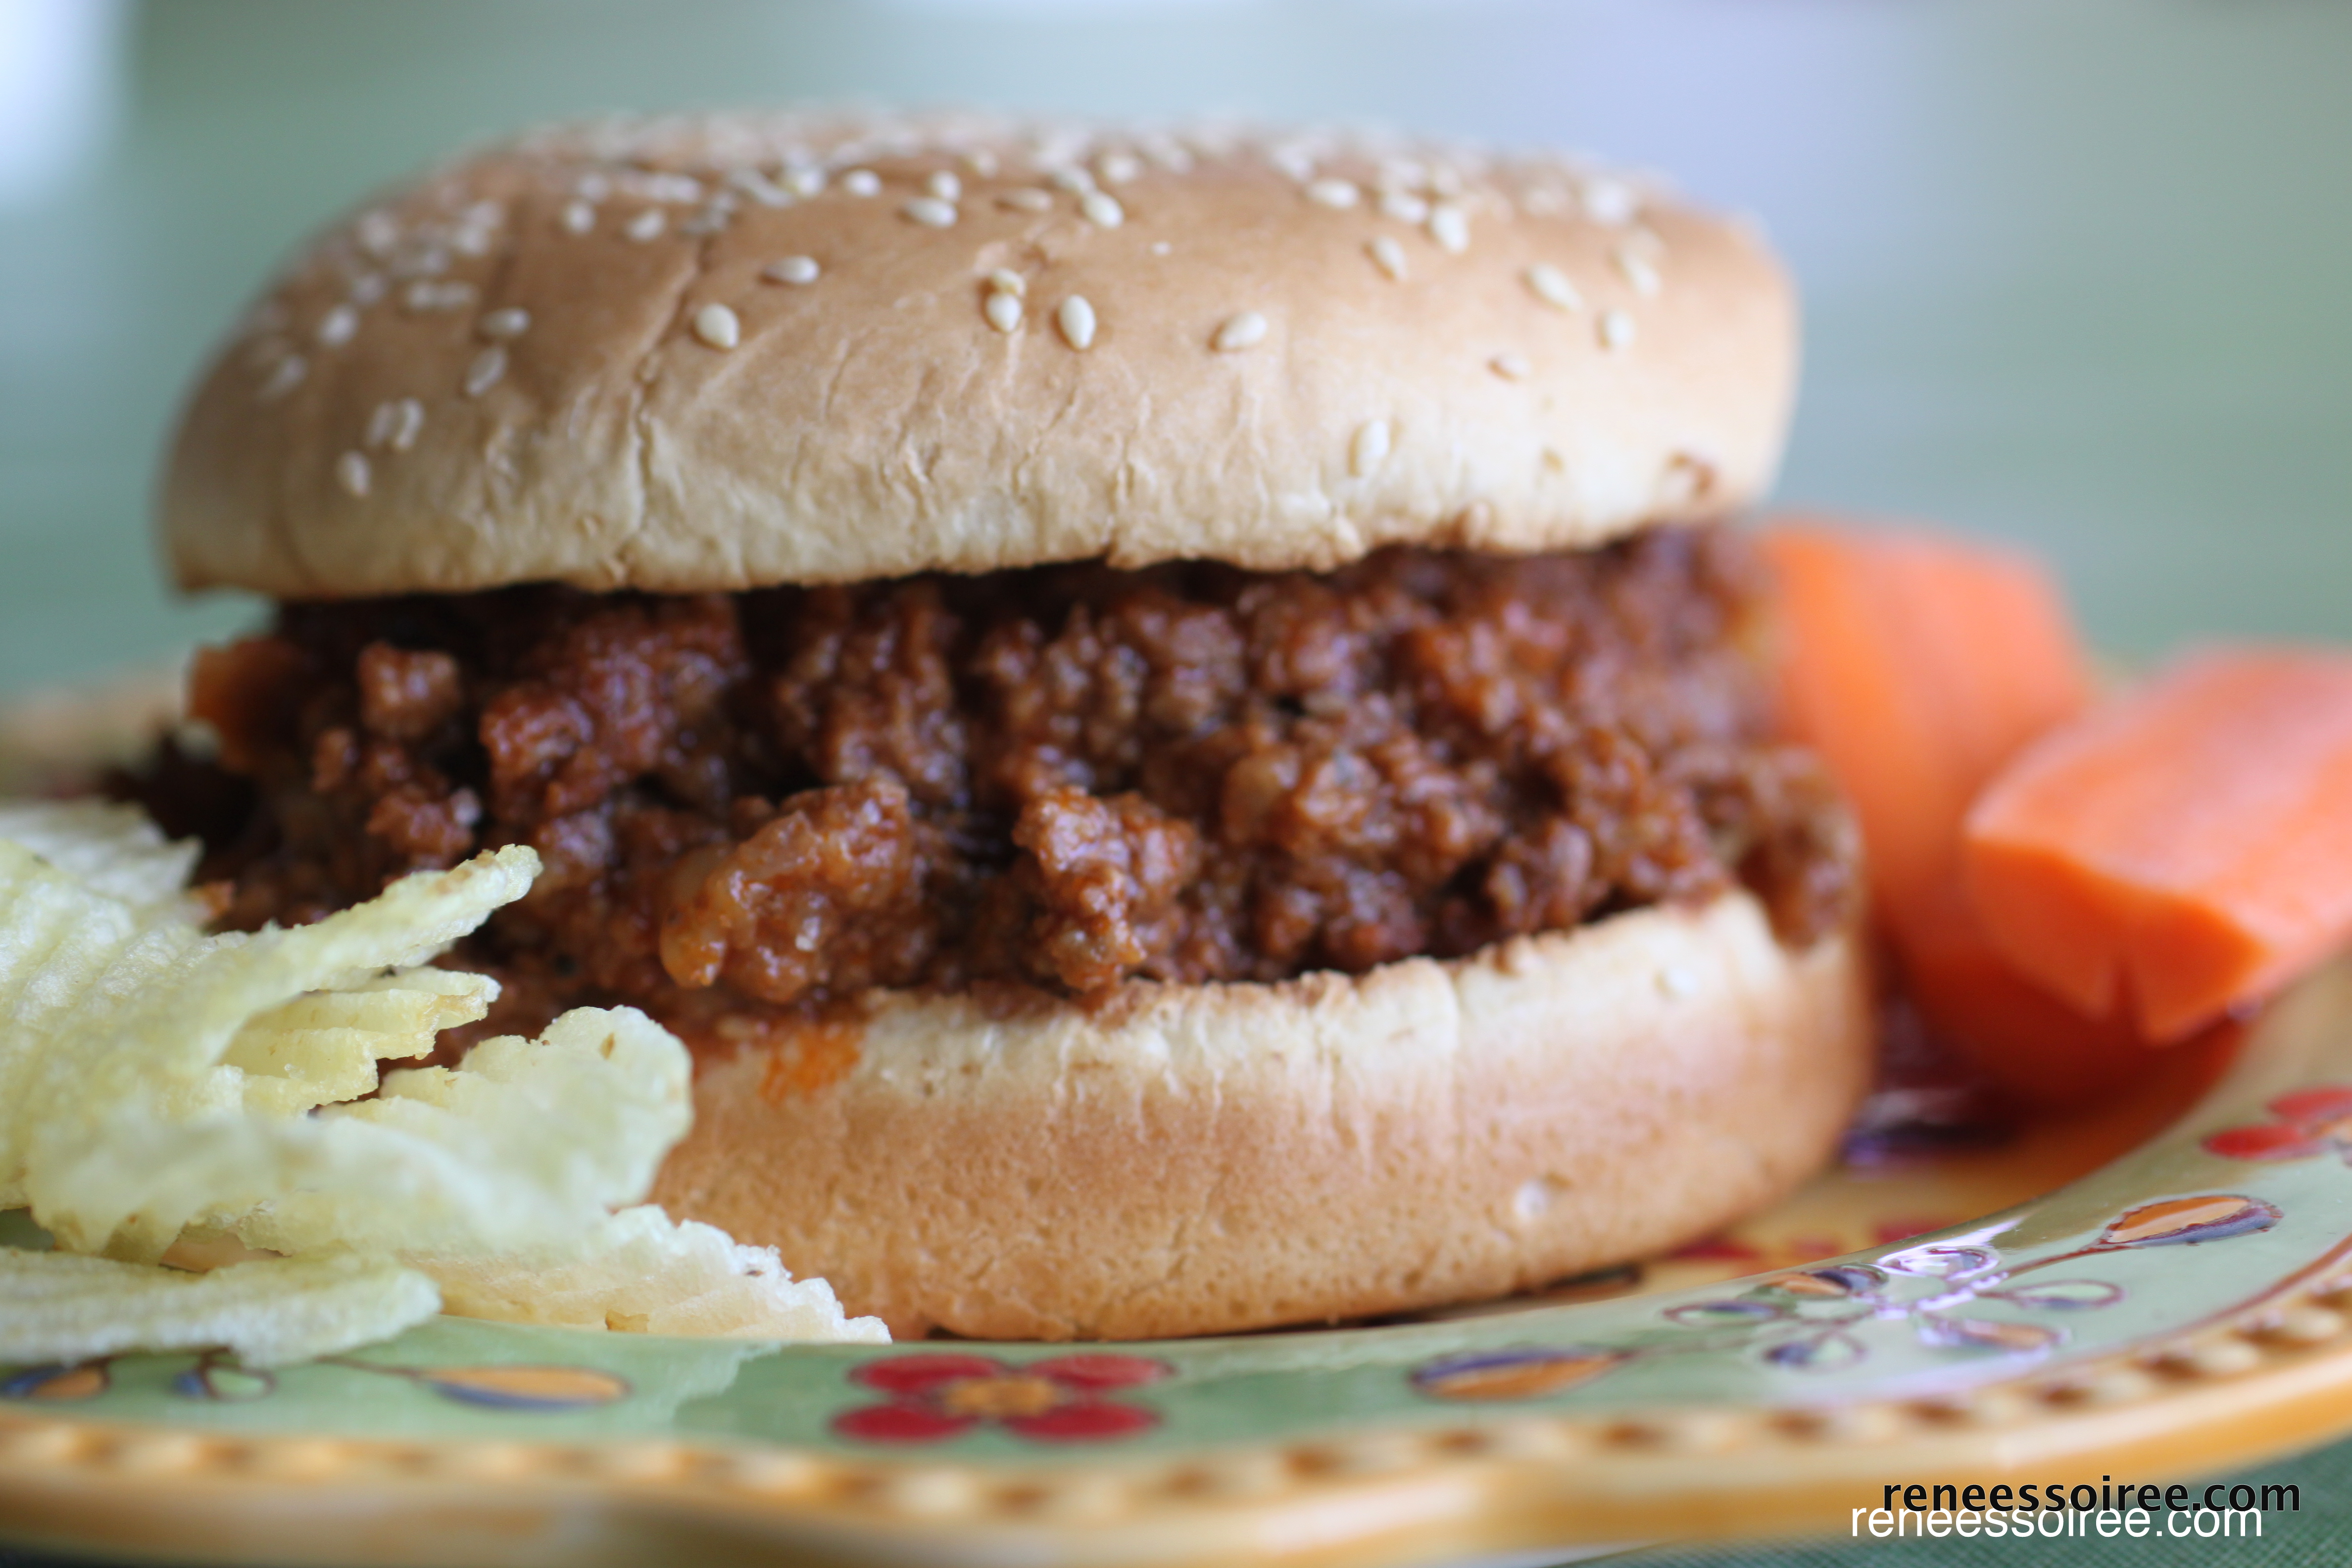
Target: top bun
(743,350)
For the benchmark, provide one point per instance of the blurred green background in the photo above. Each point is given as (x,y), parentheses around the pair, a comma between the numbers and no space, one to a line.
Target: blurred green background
(2078,274)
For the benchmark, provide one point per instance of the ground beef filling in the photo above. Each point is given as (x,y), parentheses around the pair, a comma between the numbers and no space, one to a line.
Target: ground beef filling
(755,804)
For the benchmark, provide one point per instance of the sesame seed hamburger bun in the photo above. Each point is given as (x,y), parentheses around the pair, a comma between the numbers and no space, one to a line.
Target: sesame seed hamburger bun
(740,352)
(633,356)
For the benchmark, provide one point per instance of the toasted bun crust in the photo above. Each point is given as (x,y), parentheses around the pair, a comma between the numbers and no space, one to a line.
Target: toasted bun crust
(1206,1158)
(518,368)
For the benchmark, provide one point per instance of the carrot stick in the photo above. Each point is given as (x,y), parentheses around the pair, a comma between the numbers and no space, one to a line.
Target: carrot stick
(1917,665)
(2182,850)
(2036,1046)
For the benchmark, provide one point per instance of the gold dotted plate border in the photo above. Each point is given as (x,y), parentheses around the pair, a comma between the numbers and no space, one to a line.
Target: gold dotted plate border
(2261,1383)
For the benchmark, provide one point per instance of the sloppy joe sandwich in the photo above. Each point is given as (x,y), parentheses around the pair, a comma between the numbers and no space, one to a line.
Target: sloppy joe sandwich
(1171,716)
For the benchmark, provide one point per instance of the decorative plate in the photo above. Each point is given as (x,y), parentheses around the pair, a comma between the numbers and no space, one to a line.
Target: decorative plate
(2181,1308)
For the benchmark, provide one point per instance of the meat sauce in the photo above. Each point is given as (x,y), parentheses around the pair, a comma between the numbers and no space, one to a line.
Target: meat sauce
(751,806)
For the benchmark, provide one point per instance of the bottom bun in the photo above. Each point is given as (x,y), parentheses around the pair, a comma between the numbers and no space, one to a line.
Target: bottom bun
(1205,1158)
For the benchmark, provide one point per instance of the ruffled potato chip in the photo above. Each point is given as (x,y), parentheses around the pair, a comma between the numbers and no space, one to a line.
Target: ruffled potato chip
(59,1308)
(527,1145)
(115,1024)
(324,1047)
(157,1083)
(109,848)
(643,1272)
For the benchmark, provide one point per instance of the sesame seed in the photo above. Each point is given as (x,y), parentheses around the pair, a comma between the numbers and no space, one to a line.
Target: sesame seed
(1637,271)
(982,163)
(1445,179)
(264,351)
(1388,256)
(1072,178)
(1294,162)
(711,219)
(284,377)
(808,180)
(368,288)
(471,241)
(858,182)
(336,327)
(579,218)
(760,188)
(484,373)
(719,327)
(378,232)
(661,186)
(1118,168)
(1245,330)
(1102,211)
(1003,310)
(1677,982)
(1050,147)
(931,211)
(647,225)
(1543,201)
(1552,286)
(944,185)
(352,472)
(423,261)
(592,186)
(1161,248)
(1404,207)
(1510,367)
(1027,200)
(1005,281)
(1611,203)
(425,295)
(1076,319)
(1616,329)
(508,321)
(1450,227)
(791,270)
(1369,448)
(395,424)
(1333,193)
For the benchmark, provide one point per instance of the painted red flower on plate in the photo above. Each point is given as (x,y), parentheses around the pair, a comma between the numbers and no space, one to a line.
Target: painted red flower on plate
(1062,1399)
(2310,1121)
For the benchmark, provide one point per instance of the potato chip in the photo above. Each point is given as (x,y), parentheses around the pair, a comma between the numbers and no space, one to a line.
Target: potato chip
(324,1047)
(157,1083)
(108,848)
(528,1145)
(646,1273)
(115,1024)
(54,1307)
